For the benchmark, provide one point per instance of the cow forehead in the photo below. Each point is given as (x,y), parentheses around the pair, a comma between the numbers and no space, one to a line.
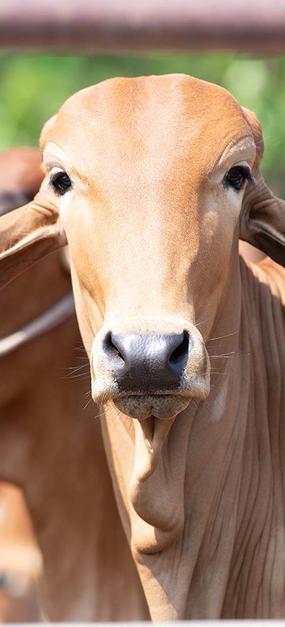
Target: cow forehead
(150,118)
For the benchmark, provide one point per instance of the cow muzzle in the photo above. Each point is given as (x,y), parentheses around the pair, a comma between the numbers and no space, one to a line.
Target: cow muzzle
(149,374)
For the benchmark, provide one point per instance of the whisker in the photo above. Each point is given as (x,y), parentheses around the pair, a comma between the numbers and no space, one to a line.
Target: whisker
(225,356)
(81,375)
(221,337)
(88,403)
(198,324)
(76,368)
(89,398)
(97,416)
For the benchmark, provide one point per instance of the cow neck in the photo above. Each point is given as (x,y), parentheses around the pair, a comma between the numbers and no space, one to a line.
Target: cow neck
(256,582)
(196,477)
(207,481)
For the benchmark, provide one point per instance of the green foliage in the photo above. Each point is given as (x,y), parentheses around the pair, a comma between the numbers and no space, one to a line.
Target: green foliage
(34,86)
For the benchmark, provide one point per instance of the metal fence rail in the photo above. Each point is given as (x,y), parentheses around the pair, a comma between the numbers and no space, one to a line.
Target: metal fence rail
(90,25)
(192,623)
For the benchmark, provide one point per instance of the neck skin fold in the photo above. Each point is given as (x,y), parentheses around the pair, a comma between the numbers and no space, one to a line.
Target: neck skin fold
(166,510)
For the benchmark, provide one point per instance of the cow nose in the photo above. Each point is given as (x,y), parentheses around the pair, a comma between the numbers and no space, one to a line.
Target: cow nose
(147,363)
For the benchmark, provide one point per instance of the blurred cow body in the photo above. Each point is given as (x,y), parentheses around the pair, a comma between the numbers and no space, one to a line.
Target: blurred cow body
(52,448)
(20,559)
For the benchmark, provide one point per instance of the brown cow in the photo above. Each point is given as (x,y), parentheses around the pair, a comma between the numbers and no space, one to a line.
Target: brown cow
(151,181)
(51,446)
(20,559)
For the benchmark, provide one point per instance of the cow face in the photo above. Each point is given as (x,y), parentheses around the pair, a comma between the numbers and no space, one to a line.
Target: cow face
(148,176)
(145,178)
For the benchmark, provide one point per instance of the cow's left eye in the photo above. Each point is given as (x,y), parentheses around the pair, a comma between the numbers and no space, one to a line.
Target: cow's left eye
(61,182)
(237,176)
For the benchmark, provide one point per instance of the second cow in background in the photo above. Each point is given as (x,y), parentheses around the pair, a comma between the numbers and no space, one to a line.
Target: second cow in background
(51,446)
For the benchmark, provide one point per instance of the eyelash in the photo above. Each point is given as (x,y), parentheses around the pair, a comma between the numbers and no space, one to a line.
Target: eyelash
(61,183)
(237,176)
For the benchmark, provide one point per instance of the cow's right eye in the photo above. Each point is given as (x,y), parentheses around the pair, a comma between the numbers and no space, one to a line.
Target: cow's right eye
(237,176)
(61,183)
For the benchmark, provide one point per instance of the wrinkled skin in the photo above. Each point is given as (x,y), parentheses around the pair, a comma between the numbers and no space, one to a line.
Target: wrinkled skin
(153,232)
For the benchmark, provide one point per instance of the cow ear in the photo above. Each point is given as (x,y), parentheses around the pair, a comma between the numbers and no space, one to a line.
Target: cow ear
(262,221)
(26,235)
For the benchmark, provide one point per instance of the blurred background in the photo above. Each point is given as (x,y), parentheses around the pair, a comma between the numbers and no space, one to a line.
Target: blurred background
(34,85)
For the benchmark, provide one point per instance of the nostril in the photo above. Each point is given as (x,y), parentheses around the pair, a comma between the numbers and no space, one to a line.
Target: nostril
(146,362)
(179,355)
(112,347)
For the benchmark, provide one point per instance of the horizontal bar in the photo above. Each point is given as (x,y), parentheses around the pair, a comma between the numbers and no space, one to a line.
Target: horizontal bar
(107,25)
(192,623)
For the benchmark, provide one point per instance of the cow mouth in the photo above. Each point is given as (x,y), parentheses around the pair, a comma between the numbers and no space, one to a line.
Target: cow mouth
(143,407)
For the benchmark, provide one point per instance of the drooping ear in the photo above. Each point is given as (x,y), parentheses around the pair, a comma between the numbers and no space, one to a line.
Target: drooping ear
(262,221)
(26,235)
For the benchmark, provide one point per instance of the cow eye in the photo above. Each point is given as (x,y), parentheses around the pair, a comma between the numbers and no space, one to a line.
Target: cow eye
(61,183)
(237,176)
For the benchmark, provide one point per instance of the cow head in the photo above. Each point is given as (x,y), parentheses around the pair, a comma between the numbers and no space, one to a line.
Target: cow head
(150,181)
